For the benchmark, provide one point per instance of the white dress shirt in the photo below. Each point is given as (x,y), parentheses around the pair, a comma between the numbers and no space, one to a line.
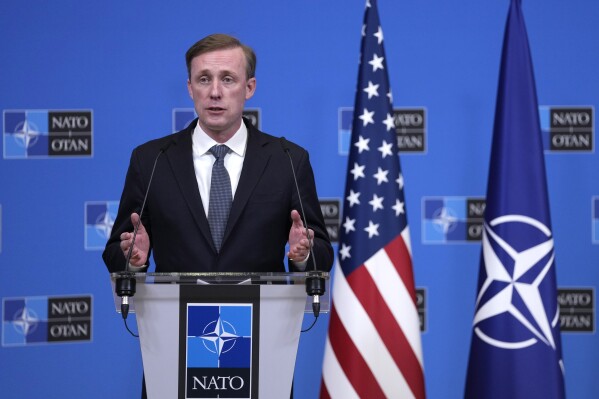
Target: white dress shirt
(203,160)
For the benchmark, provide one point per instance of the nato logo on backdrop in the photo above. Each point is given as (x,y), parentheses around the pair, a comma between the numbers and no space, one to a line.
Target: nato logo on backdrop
(410,129)
(595,219)
(421,307)
(219,350)
(331,210)
(47,133)
(46,319)
(450,220)
(577,309)
(99,218)
(567,129)
(182,117)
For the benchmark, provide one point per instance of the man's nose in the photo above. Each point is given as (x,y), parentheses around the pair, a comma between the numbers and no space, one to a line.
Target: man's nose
(215,89)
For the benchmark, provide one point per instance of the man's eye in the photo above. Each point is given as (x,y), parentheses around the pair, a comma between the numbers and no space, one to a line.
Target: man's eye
(203,80)
(228,79)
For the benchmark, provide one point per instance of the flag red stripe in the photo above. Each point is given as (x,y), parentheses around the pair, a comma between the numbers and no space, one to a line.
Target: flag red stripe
(324,393)
(400,256)
(351,361)
(389,330)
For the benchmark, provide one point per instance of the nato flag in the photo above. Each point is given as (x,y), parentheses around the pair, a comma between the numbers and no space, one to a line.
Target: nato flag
(516,348)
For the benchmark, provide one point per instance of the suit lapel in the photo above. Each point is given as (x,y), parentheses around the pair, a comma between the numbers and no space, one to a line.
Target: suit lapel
(181,160)
(180,157)
(255,161)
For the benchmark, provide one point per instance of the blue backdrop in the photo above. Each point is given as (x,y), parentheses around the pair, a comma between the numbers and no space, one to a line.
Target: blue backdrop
(122,65)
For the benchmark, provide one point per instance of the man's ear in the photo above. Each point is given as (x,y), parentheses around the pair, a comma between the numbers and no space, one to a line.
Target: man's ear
(189,88)
(250,88)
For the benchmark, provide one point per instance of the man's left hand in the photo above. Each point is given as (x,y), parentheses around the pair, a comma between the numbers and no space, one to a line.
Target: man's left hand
(299,244)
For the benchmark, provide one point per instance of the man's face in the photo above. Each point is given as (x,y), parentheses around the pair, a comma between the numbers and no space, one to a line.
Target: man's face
(219,88)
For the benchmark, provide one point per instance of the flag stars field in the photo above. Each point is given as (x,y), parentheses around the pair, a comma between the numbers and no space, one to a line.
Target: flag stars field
(379,35)
(376,202)
(376,62)
(367,117)
(381,176)
(349,224)
(389,122)
(399,181)
(344,251)
(358,171)
(372,229)
(372,90)
(398,207)
(362,144)
(385,149)
(353,198)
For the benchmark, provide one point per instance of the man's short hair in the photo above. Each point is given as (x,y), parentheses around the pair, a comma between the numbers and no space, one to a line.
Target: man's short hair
(220,41)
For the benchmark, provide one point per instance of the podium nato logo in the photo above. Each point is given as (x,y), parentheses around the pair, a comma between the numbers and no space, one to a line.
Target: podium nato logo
(219,351)
(99,218)
(449,220)
(47,133)
(44,319)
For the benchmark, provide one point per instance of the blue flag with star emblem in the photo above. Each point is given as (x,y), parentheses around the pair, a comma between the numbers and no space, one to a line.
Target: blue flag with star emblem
(516,347)
(373,349)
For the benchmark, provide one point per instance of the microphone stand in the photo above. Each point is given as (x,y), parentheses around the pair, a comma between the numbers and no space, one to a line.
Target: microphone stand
(315,285)
(125,284)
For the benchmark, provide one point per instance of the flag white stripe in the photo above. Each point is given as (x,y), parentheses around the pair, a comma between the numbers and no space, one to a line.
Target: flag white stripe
(397,297)
(337,383)
(407,239)
(367,340)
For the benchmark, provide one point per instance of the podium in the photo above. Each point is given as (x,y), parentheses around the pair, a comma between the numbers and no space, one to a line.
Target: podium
(220,335)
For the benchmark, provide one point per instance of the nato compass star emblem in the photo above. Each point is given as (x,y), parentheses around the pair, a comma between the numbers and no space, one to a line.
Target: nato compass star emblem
(104,224)
(219,336)
(26,134)
(25,321)
(445,219)
(511,291)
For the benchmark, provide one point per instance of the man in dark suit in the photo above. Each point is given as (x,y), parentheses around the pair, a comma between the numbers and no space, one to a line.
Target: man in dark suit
(178,224)
(263,217)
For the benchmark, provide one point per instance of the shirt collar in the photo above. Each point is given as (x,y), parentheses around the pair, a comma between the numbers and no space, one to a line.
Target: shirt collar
(202,142)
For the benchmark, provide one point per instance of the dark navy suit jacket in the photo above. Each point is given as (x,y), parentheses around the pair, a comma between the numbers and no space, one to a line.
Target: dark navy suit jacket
(259,220)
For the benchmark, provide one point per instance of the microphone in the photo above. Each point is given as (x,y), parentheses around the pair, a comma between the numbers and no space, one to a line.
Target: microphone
(125,285)
(314,285)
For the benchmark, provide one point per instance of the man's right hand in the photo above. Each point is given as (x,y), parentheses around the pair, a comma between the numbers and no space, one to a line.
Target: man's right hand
(139,256)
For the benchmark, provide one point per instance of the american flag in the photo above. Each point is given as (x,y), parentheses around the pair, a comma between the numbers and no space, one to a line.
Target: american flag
(373,346)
